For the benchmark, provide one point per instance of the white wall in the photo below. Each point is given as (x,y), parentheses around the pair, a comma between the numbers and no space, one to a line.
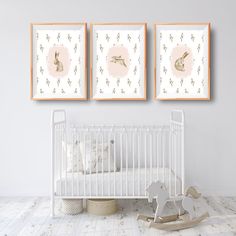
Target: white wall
(25,125)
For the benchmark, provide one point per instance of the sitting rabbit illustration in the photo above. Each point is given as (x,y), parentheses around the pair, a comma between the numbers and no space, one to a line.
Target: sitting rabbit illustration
(59,65)
(179,63)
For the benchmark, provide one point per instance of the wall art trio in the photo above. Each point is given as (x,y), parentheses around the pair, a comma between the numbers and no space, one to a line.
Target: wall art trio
(118,61)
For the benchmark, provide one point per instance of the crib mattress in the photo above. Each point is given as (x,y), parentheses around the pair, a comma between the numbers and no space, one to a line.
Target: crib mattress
(126,182)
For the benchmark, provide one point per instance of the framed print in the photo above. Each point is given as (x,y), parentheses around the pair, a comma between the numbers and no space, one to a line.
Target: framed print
(118,61)
(58,61)
(182,61)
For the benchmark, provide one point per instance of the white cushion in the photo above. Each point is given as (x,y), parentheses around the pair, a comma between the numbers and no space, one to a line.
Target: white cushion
(97,157)
(74,160)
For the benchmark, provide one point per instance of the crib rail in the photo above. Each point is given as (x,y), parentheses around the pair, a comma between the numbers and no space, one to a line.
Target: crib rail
(118,161)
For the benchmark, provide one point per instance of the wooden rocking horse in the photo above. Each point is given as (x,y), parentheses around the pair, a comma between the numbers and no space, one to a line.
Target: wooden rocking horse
(175,221)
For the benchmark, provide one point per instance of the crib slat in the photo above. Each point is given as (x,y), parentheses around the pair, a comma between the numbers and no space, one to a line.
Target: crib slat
(64,160)
(133,161)
(115,164)
(72,169)
(182,155)
(179,159)
(84,139)
(175,158)
(157,153)
(66,168)
(163,156)
(61,158)
(121,162)
(172,161)
(79,158)
(90,166)
(102,163)
(53,166)
(145,156)
(126,164)
(109,153)
(150,151)
(169,161)
(96,154)
(139,163)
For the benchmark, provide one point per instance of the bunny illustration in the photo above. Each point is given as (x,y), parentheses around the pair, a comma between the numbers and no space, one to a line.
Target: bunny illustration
(59,65)
(119,60)
(179,63)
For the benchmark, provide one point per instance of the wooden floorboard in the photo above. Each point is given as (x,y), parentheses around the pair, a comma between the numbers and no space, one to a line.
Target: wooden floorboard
(24,216)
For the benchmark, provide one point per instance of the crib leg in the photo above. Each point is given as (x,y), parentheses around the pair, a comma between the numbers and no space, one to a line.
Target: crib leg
(52,206)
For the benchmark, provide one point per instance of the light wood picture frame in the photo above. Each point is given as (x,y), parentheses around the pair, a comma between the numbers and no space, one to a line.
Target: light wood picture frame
(58,58)
(118,61)
(182,61)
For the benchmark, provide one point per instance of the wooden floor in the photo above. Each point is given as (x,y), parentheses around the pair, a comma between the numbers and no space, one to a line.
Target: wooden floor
(31,216)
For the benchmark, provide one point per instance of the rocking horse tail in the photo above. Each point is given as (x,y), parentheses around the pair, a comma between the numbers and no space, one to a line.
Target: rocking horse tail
(192,191)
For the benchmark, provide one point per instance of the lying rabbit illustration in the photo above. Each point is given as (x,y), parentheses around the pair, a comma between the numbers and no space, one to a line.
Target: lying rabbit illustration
(59,64)
(119,60)
(179,63)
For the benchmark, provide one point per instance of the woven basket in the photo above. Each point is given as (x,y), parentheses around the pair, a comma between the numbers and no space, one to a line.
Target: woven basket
(72,206)
(101,207)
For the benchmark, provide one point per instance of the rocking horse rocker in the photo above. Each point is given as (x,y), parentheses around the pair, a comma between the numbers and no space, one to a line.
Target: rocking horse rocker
(178,219)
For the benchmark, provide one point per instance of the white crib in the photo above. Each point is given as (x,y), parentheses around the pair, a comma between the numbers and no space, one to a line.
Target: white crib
(115,161)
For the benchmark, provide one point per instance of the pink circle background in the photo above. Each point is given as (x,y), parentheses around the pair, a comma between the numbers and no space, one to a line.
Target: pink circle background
(64,57)
(177,52)
(116,69)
